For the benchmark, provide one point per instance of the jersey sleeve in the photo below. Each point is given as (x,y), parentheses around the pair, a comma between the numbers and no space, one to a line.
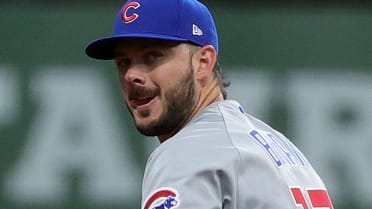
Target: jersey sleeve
(189,175)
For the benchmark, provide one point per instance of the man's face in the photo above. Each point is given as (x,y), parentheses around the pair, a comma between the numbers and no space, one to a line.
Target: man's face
(158,85)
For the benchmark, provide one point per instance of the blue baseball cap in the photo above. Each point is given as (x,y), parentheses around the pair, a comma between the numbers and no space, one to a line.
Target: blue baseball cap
(174,20)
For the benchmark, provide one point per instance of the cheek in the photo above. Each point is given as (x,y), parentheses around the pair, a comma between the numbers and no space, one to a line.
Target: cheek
(124,89)
(122,85)
(122,81)
(121,77)
(173,74)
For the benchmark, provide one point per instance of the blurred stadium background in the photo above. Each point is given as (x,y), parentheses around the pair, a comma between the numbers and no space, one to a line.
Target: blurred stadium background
(305,67)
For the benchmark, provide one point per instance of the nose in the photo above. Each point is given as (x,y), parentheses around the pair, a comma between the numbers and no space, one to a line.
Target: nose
(135,74)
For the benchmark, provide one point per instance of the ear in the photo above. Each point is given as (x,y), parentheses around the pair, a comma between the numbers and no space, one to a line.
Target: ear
(205,60)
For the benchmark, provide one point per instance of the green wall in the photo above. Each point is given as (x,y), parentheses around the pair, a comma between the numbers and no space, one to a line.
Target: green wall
(274,37)
(279,40)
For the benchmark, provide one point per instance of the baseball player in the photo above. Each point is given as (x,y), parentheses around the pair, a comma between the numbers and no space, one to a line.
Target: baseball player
(212,154)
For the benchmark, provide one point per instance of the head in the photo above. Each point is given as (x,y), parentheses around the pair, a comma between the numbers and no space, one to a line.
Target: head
(166,54)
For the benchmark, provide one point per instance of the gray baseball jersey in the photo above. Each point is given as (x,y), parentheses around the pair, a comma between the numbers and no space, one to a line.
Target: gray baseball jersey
(226,158)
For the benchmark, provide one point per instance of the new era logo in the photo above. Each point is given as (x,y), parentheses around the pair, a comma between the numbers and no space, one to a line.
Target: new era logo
(196,30)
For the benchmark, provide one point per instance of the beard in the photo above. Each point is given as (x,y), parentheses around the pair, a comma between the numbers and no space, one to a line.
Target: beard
(179,103)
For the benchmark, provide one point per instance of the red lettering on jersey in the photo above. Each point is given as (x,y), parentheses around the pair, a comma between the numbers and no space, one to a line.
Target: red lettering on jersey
(124,16)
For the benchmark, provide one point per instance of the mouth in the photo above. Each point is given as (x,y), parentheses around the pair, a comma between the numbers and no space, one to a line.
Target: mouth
(141,97)
(141,102)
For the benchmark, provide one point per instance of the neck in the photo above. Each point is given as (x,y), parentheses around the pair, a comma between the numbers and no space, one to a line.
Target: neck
(207,96)
(211,95)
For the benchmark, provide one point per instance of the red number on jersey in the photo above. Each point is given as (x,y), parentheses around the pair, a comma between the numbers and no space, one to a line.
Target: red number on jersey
(319,198)
(299,197)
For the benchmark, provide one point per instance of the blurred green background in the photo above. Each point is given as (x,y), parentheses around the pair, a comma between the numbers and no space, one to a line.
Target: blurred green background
(67,141)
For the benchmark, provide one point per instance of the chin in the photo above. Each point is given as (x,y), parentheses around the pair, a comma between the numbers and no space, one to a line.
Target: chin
(146,130)
(146,126)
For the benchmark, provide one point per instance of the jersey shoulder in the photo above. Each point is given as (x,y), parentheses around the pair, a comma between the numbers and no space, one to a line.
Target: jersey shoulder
(201,140)
(197,163)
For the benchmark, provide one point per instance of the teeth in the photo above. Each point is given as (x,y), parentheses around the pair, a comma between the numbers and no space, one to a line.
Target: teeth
(139,97)
(143,98)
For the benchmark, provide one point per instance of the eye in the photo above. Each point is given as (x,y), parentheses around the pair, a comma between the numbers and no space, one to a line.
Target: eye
(152,56)
(123,63)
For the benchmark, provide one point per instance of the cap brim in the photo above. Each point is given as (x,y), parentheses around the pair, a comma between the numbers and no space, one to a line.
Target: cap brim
(104,48)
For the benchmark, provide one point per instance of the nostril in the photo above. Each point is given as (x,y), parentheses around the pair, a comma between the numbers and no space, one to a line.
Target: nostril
(137,80)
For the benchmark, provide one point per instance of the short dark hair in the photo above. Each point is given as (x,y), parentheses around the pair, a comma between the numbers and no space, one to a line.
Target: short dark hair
(221,79)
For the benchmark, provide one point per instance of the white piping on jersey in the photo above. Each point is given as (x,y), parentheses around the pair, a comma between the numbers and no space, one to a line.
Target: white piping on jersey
(237,189)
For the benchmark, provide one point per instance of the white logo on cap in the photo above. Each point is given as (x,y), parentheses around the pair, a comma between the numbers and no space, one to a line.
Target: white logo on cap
(196,30)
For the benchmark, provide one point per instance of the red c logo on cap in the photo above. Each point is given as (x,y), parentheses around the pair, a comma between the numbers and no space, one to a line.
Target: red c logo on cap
(128,19)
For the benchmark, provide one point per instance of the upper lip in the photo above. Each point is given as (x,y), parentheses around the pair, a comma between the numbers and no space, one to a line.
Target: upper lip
(139,94)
